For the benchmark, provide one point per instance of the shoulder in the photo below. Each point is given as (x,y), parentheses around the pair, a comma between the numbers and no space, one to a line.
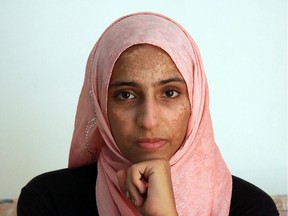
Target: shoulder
(60,191)
(86,174)
(247,199)
(60,181)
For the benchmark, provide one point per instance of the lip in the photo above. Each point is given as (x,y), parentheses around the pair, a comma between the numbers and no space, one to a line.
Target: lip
(151,144)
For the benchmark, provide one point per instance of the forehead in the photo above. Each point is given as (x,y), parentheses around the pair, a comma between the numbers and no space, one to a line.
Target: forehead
(144,60)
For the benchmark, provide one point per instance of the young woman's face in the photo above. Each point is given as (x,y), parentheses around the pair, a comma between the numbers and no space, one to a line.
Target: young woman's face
(148,106)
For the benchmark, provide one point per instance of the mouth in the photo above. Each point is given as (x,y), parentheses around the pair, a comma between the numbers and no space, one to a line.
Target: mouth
(151,144)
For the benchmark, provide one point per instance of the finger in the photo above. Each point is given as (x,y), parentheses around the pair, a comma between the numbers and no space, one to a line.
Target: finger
(128,188)
(121,177)
(136,184)
(136,173)
(131,187)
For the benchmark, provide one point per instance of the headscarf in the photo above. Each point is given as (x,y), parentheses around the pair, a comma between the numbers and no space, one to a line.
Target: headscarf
(201,181)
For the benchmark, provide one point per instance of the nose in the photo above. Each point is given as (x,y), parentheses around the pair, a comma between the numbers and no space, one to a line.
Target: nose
(148,114)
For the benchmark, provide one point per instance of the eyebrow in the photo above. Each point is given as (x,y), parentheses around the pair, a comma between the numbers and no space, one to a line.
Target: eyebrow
(174,79)
(123,83)
(134,84)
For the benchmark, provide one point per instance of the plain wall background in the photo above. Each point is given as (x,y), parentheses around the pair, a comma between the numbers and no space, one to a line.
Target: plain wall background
(44,46)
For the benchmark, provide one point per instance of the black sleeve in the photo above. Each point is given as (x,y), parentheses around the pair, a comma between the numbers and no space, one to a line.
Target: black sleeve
(249,200)
(34,201)
(62,192)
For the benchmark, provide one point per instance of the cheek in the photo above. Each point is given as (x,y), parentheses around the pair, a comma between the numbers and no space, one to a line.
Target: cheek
(180,113)
(179,121)
(120,123)
(116,119)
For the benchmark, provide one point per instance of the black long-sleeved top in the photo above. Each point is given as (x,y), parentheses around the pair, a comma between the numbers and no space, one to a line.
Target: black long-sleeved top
(69,192)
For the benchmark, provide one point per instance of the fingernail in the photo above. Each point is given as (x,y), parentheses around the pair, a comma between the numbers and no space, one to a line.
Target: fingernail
(127,194)
(133,201)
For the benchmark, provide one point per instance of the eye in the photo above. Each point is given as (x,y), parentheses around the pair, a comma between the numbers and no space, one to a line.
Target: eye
(170,93)
(124,95)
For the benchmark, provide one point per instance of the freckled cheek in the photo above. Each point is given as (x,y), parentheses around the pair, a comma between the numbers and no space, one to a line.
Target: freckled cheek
(179,121)
(120,122)
(115,116)
(123,115)
(180,113)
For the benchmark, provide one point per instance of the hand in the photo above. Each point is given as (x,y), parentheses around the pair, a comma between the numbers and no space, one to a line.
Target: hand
(148,185)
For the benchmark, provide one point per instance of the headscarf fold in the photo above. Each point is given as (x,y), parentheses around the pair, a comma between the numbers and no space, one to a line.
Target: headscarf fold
(201,181)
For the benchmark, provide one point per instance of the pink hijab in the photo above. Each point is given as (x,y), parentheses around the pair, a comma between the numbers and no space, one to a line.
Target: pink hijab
(201,181)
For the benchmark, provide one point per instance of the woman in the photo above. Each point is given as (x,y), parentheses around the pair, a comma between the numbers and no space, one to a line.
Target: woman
(143,122)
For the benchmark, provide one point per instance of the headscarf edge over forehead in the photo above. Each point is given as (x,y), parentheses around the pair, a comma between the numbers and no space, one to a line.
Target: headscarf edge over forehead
(198,162)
